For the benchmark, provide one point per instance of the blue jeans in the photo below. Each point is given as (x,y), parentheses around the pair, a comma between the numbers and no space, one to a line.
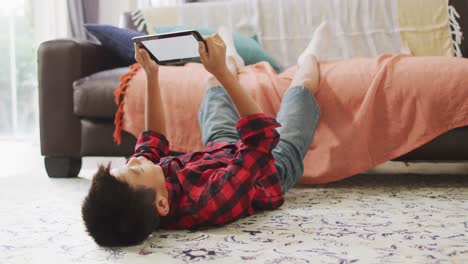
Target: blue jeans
(298,115)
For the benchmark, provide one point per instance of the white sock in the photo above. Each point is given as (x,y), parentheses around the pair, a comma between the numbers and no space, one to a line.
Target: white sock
(318,45)
(226,35)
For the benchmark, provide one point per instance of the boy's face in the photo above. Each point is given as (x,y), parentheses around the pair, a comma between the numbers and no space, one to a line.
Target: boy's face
(139,171)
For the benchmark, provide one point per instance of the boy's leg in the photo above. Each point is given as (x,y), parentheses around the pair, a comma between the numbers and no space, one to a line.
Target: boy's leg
(298,115)
(299,111)
(218,116)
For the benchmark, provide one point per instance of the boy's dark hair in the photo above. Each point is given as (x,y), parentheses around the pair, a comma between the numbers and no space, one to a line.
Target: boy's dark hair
(116,214)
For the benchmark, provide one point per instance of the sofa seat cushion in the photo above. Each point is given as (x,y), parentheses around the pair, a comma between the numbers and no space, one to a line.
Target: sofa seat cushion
(93,96)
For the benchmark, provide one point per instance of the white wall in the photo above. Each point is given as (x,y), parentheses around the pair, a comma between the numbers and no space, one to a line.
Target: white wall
(50,20)
(110,10)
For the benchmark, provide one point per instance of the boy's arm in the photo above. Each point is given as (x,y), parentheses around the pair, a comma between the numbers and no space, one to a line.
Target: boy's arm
(152,142)
(243,102)
(154,111)
(215,62)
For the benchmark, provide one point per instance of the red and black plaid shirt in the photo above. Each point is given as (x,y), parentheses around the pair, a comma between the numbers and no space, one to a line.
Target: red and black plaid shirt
(224,181)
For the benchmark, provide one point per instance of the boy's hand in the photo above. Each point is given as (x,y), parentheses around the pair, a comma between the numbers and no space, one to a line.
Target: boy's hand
(143,58)
(215,60)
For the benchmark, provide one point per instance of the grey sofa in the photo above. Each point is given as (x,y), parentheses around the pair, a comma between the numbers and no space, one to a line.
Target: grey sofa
(76,101)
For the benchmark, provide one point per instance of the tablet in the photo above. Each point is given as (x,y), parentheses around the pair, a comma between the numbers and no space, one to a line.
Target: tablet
(172,48)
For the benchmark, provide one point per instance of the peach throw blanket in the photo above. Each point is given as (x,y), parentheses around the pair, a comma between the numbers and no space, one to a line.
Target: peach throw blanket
(372,109)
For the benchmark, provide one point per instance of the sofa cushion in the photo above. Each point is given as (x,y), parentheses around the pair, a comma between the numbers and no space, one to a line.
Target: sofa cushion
(117,40)
(93,96)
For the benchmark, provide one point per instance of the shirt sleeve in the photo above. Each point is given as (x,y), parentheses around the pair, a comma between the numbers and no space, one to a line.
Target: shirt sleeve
(258,131)
(231,192)
(269,193)
(152,145)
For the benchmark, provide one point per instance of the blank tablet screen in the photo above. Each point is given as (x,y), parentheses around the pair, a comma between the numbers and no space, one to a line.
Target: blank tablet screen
(173,48)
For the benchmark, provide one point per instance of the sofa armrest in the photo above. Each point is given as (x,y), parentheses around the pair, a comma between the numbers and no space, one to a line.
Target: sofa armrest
(60,63)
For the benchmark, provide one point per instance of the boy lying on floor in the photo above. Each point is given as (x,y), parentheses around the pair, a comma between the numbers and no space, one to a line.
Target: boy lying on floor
(248,163)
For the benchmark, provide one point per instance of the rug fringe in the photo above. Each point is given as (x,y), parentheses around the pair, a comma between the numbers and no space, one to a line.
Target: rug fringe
(119,96)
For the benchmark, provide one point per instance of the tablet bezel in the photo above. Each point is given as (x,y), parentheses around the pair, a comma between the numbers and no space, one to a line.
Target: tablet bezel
(139,41)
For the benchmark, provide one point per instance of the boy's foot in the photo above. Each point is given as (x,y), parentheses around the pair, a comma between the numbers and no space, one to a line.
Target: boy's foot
(320,42)
(211,81)
(232,67)
(231,51)
(307,74)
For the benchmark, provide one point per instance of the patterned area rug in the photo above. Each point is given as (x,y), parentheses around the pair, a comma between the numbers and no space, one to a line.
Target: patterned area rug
(366,219)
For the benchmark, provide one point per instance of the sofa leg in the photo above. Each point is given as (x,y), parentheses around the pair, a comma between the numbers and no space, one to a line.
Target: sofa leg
(64,167)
